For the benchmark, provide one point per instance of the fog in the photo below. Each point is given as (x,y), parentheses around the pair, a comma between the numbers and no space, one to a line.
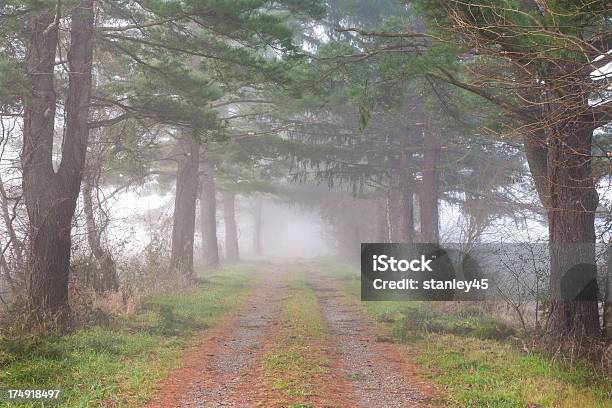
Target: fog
(288,229)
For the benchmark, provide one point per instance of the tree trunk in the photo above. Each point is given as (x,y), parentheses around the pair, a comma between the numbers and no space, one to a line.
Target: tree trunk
(536,151)
(350,240)
(402,179)
(393,211)
(208,216)
(382,222)
(232,253)
(257,224)
(559,158)
(105,269)
(401,208)
(51,197)
(406,209)
(345,221)
(573,201)
(183,228)
(430,184)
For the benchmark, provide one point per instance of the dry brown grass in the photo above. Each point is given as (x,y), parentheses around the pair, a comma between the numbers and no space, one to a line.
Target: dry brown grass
(89,307)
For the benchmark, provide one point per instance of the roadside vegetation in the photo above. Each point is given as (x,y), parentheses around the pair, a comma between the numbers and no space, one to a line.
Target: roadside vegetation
(118,363)
(296,363)
(475,359)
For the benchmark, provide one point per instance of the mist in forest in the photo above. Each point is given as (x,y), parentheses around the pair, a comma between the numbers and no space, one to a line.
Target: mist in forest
(287,231)
(157,155)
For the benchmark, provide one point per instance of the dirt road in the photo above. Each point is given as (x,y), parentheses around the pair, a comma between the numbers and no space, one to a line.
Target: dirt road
(224,369)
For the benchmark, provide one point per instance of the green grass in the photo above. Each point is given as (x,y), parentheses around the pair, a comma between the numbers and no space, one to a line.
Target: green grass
(121,362)
(484,373)
(295,362)
(474,359)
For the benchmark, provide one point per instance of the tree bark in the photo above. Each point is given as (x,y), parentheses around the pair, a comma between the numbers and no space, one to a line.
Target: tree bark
(232,253)
(536,151)
(571,216)
(208,216)
(183,228)
(559,156)
(430,184)
(257,224)
(51,197)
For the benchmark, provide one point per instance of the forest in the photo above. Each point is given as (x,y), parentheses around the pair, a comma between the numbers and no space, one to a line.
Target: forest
(188,189)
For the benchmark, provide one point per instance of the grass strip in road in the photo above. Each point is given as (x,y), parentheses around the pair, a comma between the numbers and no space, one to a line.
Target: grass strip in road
(296,361)
(119,363)
(474,358)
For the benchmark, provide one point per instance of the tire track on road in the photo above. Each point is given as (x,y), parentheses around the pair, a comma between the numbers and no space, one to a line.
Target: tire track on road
(217,371)
(379,378)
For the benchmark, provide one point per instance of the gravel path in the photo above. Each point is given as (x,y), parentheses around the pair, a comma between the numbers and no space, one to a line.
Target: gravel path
(224,368)
(213,375)
(378,376)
